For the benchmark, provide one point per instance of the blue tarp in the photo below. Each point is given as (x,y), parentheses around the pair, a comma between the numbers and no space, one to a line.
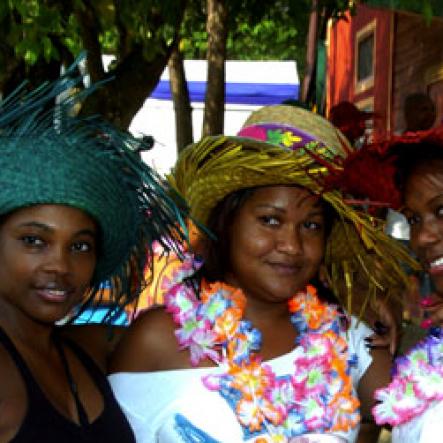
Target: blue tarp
(236,93)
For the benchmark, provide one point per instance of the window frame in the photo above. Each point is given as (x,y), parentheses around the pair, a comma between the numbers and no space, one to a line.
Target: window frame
(368,82)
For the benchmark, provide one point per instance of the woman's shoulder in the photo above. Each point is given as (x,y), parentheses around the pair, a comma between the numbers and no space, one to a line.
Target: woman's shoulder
(97,340)
(149,344)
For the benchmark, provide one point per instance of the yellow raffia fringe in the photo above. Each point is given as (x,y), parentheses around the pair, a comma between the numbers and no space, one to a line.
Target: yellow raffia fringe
(208,171)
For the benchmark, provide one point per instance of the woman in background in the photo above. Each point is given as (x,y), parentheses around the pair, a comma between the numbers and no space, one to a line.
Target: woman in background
(413,401)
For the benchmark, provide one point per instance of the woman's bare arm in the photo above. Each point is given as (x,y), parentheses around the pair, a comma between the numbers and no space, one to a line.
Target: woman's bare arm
(377,376)
(149,345)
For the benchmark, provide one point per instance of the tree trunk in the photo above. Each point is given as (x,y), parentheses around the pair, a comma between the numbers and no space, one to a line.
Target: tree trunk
(137,68)
(180,98)
(132,81)
(213,119)
(310,53)
(89,32)
(134,76)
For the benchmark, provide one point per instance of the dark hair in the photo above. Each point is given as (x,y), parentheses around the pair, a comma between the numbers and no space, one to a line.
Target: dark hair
(324,292)
(216,250)
(410,156)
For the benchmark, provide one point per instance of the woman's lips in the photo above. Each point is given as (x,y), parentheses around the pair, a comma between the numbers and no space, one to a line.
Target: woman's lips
(286,269)
(53,295)
(436,266)
(430,302)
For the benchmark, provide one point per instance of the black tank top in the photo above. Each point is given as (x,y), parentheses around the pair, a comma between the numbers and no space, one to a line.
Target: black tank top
(44,424)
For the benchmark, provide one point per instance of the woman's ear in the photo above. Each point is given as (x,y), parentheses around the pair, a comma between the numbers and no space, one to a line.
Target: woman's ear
(323,276)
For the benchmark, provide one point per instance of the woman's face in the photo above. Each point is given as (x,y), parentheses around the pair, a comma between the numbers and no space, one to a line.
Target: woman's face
(277,241)
(47,260)
(424,211)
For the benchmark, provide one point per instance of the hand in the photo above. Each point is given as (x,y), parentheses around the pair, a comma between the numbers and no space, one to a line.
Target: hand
(386,327)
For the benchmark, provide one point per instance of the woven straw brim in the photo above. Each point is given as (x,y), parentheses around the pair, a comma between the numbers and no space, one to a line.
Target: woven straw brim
(208,171)
(47,156)
(132,210)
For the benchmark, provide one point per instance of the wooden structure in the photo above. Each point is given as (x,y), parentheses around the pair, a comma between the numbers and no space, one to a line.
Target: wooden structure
(379,56)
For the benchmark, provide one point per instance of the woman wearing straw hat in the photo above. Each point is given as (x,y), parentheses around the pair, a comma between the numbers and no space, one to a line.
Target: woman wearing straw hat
(77,209)
(413,402)
(250,347)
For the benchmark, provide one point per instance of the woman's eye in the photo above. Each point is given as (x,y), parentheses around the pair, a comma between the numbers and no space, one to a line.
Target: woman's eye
(269,220)
(412,220)
(311,225)
(32,240)
(439,211)
(82,247)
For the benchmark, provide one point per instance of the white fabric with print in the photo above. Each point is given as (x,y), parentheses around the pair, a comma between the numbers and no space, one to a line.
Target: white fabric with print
(175,406)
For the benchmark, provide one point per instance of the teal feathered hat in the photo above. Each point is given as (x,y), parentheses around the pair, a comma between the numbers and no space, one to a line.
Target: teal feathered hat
(49,157)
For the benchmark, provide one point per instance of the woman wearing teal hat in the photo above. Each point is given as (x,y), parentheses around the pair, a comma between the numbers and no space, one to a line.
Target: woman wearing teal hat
(78,209)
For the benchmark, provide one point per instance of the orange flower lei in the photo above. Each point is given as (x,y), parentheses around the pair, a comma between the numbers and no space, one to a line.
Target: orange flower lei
(316,397)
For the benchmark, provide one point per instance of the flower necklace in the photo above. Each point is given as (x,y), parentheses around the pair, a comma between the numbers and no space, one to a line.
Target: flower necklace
(416,385)
(318,396)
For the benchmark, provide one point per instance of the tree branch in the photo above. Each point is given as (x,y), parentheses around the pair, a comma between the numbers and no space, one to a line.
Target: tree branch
(89,31)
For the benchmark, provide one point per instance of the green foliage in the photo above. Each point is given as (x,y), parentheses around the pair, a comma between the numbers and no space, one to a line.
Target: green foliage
(37,31)
(35,25)
(257,30)
(31,25)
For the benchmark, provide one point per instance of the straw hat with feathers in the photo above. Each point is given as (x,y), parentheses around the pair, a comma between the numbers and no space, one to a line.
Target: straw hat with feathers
(49,157)
(285,145)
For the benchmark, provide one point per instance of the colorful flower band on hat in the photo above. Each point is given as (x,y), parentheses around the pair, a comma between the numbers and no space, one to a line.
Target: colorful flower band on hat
(285,136)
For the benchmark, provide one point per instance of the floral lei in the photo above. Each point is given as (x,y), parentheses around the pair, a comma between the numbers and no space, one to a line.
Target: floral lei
(316,397)
(417,383)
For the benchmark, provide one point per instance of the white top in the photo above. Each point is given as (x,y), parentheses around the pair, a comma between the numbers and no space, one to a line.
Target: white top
(175,407)
(425,428)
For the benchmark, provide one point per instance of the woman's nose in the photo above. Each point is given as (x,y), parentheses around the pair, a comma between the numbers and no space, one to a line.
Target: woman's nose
(57,260)
(427,233)
(290,242)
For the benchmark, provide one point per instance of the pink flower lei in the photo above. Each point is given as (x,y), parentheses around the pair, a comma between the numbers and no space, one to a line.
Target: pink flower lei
(417,383)
(317,397)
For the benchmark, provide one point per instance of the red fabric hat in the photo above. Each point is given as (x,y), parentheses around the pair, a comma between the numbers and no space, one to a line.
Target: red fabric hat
(369,172)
